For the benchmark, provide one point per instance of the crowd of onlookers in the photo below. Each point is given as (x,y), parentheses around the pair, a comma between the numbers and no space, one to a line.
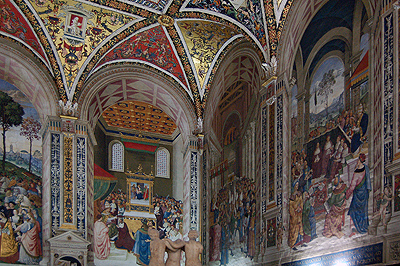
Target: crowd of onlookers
(234,221)
(347,121)
(20,219)
(168,212)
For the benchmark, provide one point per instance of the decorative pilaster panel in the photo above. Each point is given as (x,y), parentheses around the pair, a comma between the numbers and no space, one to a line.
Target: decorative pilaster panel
(194,191)
(377,107)
(81,185)
(271,156)
(264,158)
(394,251)
(279,157)
(206,202)
(55,183)
(191,189)
(68,184)
(388,72)
(253,150)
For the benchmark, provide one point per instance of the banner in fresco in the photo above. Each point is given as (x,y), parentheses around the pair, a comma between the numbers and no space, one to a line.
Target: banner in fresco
(358,256)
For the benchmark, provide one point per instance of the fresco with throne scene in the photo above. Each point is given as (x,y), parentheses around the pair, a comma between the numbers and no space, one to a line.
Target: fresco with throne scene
(122,220)
(131,196)
(330,192)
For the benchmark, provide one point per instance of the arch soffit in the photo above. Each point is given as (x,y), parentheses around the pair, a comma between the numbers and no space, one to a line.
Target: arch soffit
(22,72)
(125,83)
(227,119)
(228,73)
(343,34)
(336,53)
(300,16)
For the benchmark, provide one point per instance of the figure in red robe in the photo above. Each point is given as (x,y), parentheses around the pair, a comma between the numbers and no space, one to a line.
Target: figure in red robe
(124,240)
(102,243)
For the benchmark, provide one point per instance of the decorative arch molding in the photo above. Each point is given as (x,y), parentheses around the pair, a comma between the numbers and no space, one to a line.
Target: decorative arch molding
(300,15)
(20,70)
(125,83)
(228,73)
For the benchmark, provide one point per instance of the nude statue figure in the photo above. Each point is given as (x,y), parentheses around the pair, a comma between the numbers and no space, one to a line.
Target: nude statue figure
(174,250)
(193,249)
(157,248)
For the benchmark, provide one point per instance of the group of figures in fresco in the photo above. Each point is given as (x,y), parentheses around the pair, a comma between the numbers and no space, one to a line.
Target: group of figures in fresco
(20,218)
(234,221)
(330,179)
(110,226)
(318,192)
(326,200)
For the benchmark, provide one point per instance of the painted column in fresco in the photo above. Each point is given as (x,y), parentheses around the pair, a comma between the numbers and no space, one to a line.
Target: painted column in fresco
(69,199)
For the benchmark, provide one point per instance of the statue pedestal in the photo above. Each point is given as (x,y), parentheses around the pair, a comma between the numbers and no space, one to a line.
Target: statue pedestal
(68,247)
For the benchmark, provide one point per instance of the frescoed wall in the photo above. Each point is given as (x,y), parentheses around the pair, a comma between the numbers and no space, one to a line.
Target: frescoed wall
(330,187)
(131,199)
(21,178)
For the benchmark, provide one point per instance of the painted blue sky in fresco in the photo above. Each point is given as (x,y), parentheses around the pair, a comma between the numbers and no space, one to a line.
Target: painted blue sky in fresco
(337,89)
(12,136)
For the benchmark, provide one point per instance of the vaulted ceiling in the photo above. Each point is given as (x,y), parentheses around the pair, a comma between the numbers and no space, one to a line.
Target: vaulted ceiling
(183,41)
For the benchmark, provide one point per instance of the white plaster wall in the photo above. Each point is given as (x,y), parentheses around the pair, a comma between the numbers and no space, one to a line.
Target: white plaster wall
(177,169)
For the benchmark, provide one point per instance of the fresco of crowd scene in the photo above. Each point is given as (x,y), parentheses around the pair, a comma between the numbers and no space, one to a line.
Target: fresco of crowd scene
(110,226)
(20,219)
(233,214)
(317,188)
(353,125)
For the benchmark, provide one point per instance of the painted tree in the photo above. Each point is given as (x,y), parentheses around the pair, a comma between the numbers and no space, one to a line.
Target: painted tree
(30,130)
(11,114)
(325,87)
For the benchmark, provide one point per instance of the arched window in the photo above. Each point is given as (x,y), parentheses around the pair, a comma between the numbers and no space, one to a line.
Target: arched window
(117,156)
(162,163)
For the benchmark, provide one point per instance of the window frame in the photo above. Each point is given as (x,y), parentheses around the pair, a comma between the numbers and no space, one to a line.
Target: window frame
(110,156)
(168,163)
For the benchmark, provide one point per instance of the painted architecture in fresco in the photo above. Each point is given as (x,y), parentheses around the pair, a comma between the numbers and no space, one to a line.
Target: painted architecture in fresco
(131,197)
(330,186)
(21,181)
(271,127)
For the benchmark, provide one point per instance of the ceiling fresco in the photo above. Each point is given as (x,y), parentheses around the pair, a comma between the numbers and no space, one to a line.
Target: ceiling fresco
(76,30)
(248,13)
(183,41)
(153,47)
(13,23)
(139,116)
(203,41)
